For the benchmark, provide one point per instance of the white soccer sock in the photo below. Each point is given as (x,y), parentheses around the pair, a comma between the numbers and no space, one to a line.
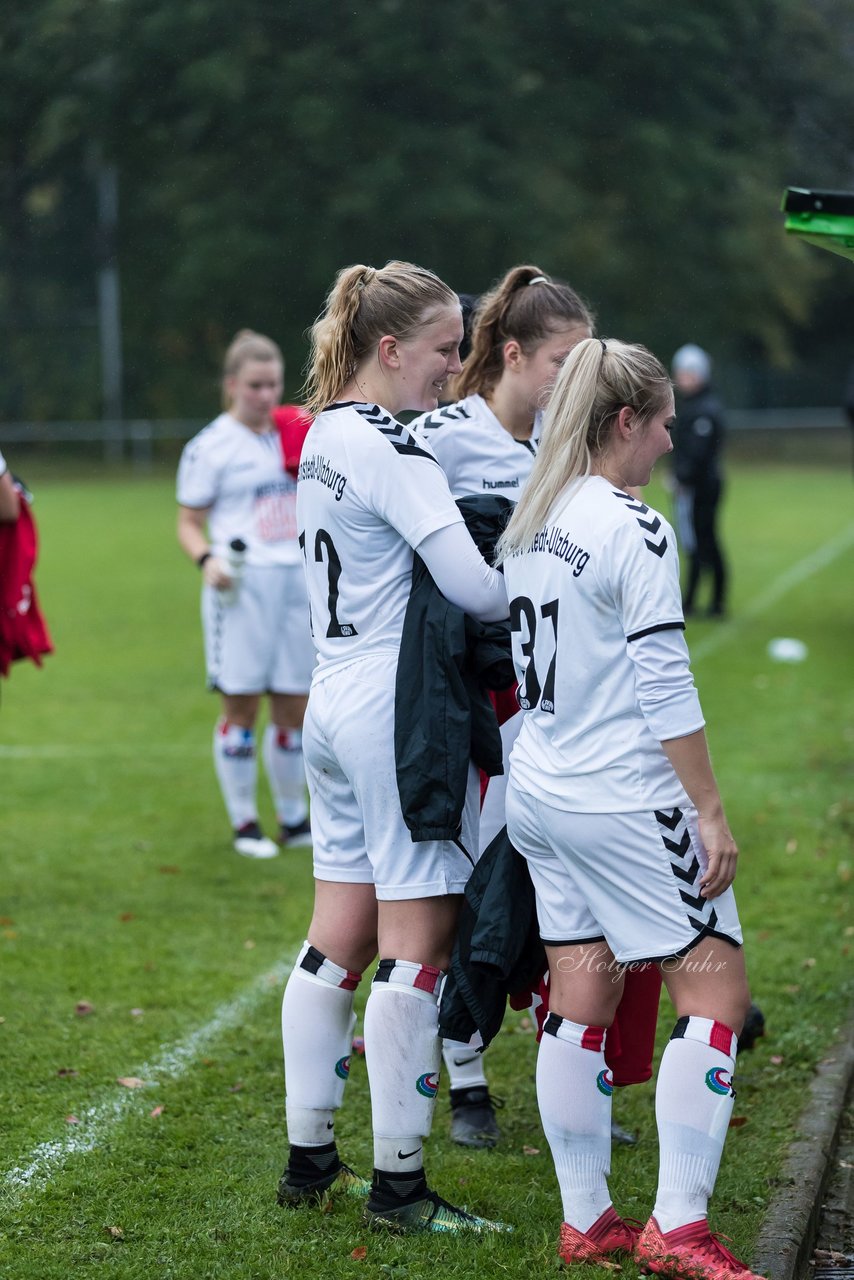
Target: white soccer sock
(464,1065)
(282,749)
(693,1104)
(317,1035)
(574,1094)
(402,1050)
(237,771)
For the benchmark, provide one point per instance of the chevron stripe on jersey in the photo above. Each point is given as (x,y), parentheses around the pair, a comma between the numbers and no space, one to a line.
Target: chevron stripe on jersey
(398,436)
(685,866)
(450,413)
(650,526)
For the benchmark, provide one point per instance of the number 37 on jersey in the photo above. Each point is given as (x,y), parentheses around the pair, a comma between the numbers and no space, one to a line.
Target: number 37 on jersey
(538,632)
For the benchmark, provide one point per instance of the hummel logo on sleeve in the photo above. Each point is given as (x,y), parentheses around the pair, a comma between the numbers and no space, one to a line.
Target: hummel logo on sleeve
(652,526)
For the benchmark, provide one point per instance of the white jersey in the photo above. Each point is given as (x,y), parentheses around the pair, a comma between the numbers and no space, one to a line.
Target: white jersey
(602,573)
(477,454)
(369,492)
(239,474)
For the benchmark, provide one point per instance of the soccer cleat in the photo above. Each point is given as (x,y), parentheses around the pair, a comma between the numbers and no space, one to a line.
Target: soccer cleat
(343,1179)
(473,1122)
(609,1236)
(753,1029)
(430,1213)
(691,1252)
(622,1136)
(297,836)
(250,841)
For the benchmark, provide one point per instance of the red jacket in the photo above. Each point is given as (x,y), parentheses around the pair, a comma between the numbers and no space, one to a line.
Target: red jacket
(293,424)
(23,631)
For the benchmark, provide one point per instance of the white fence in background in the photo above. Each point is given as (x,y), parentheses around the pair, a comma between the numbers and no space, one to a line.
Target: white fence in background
(134,438)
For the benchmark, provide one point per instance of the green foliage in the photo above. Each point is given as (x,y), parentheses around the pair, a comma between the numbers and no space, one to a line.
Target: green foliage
(120,890)
(639,150)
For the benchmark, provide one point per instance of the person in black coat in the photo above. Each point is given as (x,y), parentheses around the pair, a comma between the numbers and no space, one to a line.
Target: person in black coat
(697,449)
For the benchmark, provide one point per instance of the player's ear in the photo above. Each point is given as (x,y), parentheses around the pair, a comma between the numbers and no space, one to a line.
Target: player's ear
(388,352)
(511,354)
(626,422)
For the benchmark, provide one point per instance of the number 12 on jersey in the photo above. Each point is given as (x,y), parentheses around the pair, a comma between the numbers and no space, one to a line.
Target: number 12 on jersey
(531,693)
(336,629)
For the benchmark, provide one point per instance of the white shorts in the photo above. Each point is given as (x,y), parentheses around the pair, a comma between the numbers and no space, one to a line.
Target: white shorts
(630,878)
(357,827)
(262,642)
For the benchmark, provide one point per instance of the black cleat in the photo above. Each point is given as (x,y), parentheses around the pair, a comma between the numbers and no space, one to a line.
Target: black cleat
(473,1122)
(753,1029)
(319,1190)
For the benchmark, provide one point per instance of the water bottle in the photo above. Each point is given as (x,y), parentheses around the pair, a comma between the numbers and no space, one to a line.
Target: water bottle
(235,559)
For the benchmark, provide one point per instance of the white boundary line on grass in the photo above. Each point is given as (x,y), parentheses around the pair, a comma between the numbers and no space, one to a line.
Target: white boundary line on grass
(98,1122)
(792,577)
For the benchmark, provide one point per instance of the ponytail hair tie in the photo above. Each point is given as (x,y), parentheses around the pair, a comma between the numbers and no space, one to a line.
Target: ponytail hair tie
(604,348)
(539,280)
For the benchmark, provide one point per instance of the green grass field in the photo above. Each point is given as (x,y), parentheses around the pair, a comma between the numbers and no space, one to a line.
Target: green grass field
(119,890)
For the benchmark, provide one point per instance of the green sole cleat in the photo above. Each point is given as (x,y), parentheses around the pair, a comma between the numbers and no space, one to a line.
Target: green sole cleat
(343,1181)
(430,1213)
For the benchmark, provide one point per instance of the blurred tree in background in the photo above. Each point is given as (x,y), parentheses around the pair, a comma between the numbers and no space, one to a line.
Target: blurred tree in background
(637,148)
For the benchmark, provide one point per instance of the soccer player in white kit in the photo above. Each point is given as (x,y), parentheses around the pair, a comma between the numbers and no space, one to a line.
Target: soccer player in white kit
(487,441)
(233,489)
(369,495)
(613,802)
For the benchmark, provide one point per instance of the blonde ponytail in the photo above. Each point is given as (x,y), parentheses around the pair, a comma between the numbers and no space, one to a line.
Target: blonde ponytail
(595,381)
(365,304)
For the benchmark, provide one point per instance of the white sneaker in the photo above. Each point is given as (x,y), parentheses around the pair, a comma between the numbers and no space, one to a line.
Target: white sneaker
(252,843)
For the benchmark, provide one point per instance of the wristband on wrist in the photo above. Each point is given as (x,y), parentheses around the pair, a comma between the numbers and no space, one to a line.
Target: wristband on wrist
(200,561)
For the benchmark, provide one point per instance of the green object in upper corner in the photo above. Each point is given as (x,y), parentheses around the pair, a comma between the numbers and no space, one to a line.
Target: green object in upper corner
(822,218)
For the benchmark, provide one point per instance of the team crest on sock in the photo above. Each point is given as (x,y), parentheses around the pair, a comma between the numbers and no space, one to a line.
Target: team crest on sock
(342,1068)
(605,1082)
(719,1080)
(428,1084)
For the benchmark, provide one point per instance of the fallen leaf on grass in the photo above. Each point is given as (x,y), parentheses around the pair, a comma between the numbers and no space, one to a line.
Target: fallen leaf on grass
(359,1254)
(127,915)
(10,933)
(83,1008)
(158,1111)
(130,1082)
(66,1071)
(6,920)
(169,871)
(530,1151)
(116,1232)
(792,990)
(249,944)
(737,1121)
(809,963)
(792,846)
(236,1087)
(71,1120)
